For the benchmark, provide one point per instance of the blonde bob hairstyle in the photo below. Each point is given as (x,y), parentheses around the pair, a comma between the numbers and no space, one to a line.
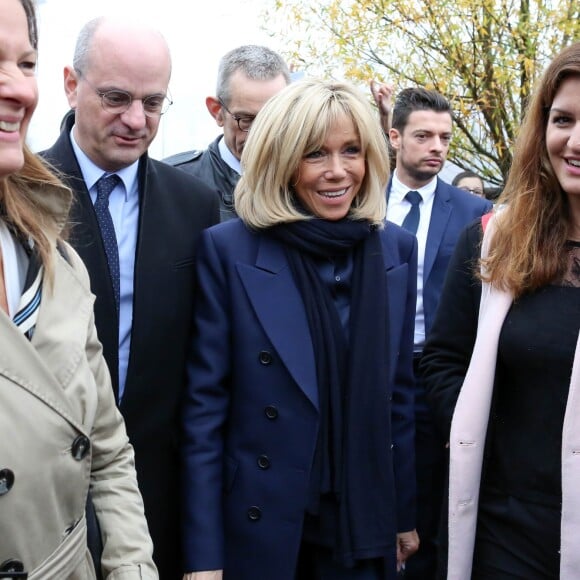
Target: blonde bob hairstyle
(293,124)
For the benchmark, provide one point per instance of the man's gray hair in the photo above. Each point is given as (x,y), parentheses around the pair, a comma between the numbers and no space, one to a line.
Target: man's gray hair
(258,63)
(83,45)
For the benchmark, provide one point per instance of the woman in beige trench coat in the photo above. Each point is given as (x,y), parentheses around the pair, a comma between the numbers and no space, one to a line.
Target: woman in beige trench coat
(60,431)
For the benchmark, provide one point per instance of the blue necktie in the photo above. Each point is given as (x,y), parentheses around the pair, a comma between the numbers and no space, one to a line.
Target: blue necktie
(411,221)
(104,187)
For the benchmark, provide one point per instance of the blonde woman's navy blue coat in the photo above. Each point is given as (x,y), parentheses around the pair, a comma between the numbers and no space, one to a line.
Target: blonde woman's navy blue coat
(251,413)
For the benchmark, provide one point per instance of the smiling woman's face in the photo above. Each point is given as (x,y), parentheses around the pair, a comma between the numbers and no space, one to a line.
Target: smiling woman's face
(563,135)
(328,179)
(18,88)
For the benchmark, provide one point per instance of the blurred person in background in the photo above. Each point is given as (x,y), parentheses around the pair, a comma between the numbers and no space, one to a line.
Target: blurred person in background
(469,181)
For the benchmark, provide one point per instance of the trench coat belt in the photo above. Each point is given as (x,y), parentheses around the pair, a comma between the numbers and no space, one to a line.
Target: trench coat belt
(67,557)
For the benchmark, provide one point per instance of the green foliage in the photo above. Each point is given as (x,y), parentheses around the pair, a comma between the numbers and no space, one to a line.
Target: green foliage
(483,55)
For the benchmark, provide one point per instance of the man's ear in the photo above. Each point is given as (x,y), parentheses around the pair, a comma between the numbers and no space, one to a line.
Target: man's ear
(215,110)
(394,138)
(71,83)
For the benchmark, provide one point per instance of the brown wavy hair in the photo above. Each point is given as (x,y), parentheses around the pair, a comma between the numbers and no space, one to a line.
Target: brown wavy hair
(528,247)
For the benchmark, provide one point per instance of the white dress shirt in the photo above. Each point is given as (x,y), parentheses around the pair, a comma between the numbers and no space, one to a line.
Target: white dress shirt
(228,157)
(397,209)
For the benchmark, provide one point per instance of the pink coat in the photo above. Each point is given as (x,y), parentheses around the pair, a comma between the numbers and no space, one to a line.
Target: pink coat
(468,433)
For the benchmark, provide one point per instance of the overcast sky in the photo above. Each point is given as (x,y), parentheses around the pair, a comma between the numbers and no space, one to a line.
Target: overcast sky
(197,37)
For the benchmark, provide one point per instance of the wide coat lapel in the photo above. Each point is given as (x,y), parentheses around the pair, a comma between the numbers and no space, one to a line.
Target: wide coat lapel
(86,239)
(440,215)
(280,310)
(44,365)
(469,426)
(468,432)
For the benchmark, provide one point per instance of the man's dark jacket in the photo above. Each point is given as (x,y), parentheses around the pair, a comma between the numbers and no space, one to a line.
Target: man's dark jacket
(209,166)
(174,209)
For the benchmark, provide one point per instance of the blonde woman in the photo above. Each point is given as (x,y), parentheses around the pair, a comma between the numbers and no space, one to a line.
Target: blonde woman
(298,424)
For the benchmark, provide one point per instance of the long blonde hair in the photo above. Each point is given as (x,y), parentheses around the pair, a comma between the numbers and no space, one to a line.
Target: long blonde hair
(293,123)
(528,247)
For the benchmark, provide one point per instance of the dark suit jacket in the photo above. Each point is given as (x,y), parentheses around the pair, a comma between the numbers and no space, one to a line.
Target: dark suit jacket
(174,209)
(448,349)
(209,166)
(251,416)
(453,209)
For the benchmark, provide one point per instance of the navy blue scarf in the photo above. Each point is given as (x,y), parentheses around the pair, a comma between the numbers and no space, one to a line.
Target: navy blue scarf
(353,459)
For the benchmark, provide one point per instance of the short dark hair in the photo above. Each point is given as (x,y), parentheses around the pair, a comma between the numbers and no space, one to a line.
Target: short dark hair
(417,99)
(464,175)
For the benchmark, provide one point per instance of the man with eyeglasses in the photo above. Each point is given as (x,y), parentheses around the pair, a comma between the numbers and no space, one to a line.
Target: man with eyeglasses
(135,222)
(247,77)
(469,181)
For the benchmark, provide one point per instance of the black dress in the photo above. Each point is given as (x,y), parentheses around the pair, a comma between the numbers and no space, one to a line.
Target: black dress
(518,529)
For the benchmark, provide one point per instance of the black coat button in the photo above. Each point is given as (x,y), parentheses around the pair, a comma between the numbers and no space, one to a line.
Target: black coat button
(263,462)
(254,513)
(80,447)
(265,357)
(11,565)
(271,412)
(6,480)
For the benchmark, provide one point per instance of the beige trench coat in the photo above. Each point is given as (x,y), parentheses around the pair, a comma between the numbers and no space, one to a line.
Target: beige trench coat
(55,397)
(467,441)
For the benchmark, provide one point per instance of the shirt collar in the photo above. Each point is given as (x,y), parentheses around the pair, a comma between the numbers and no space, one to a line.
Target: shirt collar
(399,189)
(92,173)
(228,157)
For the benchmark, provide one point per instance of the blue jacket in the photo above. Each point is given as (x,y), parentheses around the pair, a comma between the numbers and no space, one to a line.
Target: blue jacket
(453,209)
(251,413)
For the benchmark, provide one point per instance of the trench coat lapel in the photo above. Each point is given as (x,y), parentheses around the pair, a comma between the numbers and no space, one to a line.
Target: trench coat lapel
(280,310)
(39,365)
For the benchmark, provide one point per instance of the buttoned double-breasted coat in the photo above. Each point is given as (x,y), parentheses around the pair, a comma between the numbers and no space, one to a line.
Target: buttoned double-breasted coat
(61,433)
(252,416)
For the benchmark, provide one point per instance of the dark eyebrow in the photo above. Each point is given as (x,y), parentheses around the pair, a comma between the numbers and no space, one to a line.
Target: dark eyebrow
(243,114)
(557,110)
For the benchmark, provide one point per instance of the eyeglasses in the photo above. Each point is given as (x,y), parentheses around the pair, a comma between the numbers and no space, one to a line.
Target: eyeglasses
(244,121)
(474,190)
(116,101)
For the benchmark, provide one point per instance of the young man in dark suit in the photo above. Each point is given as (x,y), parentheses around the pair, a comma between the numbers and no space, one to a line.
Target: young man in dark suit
(135,223)
(420,134)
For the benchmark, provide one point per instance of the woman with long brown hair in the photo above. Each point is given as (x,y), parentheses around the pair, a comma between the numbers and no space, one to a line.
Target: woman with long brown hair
(503,363)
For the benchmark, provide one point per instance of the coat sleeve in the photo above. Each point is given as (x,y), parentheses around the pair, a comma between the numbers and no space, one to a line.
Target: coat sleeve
(204,414)
(450,343)
(402,411)
(127,546)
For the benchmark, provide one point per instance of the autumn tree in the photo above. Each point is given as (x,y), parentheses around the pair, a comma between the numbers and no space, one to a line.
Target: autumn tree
(483,55)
